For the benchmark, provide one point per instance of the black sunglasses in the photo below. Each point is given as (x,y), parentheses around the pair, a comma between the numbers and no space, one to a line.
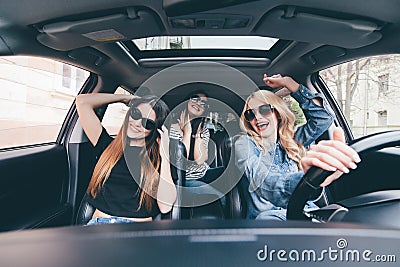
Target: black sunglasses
(198,100)
(146,123)
(264,110)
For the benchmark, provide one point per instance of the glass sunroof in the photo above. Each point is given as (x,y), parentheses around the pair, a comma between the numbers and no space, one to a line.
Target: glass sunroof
(205,42)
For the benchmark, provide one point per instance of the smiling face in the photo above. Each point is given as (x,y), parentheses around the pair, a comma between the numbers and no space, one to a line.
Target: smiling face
(135,129)
(264,125)
(195,109)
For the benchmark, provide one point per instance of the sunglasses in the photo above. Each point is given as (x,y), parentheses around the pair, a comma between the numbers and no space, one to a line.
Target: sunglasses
(264,110)
(146,123)
(198,100)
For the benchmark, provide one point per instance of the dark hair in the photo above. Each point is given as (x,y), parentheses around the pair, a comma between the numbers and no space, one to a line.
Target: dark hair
(148,177)
(181,107)
(196,92)
(196,123)
(160,108)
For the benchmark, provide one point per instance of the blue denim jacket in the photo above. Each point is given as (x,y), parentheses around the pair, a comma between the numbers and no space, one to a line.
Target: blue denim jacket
(272,175)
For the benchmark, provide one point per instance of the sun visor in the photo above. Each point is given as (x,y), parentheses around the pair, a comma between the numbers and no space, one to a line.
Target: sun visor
(290,24)
(68,35)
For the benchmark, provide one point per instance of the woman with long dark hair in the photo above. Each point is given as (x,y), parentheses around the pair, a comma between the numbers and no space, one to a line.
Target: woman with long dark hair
(131,180)
(190,128)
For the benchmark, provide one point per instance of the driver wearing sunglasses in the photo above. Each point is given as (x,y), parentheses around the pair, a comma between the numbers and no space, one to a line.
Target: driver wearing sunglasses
(272,154)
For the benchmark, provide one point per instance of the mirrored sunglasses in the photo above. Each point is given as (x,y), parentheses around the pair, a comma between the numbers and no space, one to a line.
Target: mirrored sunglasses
(198,100)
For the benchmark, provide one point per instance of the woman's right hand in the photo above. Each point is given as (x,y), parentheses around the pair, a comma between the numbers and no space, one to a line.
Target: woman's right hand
(127,100)
(331,155)
(163,142)
(184,123)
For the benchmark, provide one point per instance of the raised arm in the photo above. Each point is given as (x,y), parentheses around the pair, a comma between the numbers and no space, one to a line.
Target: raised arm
(291,85)
(85,105)
(201,145)
(319,118)
(166,191)
(186,129)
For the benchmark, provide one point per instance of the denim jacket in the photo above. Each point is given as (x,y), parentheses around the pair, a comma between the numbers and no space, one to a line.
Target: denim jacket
(271,174)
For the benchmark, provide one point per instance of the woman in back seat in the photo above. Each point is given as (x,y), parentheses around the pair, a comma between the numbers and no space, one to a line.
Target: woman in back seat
(190,128)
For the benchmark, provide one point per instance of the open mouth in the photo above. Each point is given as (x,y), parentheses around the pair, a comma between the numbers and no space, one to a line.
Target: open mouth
(262,126)
(196,108)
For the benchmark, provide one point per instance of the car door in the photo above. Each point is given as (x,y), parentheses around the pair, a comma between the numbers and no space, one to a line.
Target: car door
(36,95)
(365,93)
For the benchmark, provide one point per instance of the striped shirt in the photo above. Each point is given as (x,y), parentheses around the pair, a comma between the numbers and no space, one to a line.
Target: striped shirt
(193,170)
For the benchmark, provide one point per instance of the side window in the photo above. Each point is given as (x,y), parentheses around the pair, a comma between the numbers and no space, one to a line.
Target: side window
(35,96)
(115,114)
(368,92)
(296,109)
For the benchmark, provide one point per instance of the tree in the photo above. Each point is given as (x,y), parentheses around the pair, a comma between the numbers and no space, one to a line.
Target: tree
(365,90)
(346,78)
(295,108)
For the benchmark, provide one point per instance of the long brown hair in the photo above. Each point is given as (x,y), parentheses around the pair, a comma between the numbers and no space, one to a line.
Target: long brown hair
(150,163)
(286,129)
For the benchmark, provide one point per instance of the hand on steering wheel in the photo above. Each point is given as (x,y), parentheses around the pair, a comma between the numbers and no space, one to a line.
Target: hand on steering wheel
(331,155)
(315,177)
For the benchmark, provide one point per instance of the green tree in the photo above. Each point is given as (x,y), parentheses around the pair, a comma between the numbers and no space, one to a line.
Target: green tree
(295,108)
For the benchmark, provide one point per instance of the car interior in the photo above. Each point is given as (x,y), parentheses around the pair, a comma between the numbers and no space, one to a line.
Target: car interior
(44,185)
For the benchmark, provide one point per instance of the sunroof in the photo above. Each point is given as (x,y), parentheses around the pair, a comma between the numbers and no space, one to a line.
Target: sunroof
(204,42)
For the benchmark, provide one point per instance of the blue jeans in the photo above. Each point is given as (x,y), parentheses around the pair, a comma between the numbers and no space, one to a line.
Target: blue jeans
(110,220)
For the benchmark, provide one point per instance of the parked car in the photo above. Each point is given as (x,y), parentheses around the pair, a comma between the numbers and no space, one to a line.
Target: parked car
(52,51)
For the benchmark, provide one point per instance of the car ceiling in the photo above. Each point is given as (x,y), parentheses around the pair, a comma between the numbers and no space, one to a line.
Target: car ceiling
(319,33)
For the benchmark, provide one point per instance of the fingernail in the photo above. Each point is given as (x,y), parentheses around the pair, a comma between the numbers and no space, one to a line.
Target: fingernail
(356,158)
(345,170)
(353,165)
(333,169)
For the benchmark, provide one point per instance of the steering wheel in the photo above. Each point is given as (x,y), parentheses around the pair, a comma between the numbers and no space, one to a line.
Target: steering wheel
(309,185)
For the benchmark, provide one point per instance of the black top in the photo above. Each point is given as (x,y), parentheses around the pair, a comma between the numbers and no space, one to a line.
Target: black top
(119,196)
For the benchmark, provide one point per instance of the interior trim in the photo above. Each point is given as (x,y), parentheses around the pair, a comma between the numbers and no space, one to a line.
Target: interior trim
(232,61)
(68,35)
(355,33)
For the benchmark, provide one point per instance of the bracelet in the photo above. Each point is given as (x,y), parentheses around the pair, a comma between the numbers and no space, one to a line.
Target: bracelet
(201,135)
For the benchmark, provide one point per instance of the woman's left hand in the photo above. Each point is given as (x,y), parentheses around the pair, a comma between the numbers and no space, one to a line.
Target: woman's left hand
(163,142)
(331,155)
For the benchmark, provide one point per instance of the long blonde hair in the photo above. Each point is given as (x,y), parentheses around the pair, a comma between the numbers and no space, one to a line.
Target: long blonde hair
(286,120)
(150,163)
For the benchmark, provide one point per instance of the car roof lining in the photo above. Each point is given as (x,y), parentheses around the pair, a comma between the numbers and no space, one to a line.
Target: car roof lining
(128,24)
(280,22)
(67,35)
